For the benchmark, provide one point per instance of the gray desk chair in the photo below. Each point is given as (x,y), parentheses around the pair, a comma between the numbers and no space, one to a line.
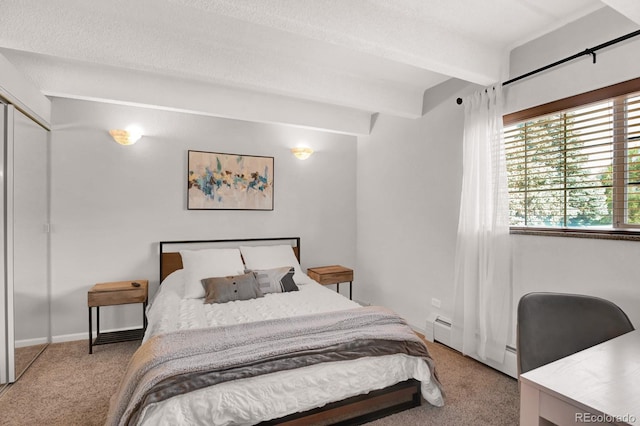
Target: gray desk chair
(554,325)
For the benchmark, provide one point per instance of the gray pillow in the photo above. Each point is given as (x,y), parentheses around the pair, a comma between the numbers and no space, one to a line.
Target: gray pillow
(276,280)
(227,289)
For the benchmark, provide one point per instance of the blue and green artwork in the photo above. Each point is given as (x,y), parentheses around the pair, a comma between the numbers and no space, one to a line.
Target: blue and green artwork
(229,181)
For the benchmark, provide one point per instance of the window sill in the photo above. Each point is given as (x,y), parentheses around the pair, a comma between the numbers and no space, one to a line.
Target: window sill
(601,234)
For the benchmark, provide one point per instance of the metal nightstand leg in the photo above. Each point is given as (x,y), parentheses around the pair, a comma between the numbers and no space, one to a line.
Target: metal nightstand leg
(90,332)
(350,289)
(91,327)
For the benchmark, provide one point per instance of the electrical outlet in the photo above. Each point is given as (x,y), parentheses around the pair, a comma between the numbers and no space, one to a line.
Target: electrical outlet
(435,302)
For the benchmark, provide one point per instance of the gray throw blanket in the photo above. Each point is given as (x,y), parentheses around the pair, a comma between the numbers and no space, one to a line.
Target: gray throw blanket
(186,360)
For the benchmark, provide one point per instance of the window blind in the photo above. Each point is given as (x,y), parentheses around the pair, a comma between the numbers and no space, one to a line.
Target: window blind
(578,167)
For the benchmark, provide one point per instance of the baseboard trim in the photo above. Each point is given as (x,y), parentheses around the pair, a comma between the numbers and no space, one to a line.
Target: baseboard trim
(70,337)
(439,330)
(31,342)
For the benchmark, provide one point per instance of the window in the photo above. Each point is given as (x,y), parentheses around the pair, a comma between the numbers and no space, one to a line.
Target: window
(575,164)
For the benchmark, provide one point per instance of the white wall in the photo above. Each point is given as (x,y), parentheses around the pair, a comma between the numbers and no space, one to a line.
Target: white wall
(603,268)
(112,204)
(409,177)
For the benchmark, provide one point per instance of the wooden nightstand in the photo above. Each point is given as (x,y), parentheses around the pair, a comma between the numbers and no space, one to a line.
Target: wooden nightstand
(334,274)
(116,293)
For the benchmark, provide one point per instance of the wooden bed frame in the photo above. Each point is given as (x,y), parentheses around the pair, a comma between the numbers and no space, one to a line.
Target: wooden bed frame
(351,411)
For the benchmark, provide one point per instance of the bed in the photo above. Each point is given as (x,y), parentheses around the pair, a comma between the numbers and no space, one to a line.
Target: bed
(285,350)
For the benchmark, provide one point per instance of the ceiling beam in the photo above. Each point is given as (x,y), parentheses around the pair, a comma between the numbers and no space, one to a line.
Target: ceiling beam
(78,80)
(21,92)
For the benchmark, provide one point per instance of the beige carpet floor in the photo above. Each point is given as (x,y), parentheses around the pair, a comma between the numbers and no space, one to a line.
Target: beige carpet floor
(66,386)
(25,355)
(475,395)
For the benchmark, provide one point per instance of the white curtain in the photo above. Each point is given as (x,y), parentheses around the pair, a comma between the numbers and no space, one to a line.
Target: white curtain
(482,297)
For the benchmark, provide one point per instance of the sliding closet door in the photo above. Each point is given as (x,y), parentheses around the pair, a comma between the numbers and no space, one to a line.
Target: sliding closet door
(27,240)
(4,343)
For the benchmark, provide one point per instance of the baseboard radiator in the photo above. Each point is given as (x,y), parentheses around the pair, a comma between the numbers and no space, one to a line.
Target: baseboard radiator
(439,330)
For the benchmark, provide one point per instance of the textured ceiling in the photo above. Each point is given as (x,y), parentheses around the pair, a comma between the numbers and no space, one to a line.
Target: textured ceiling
(359,56)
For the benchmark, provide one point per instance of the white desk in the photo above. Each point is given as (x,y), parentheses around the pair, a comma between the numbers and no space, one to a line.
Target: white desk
(599,383)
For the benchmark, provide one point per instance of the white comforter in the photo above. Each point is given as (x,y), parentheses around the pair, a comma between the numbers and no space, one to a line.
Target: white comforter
(275,395)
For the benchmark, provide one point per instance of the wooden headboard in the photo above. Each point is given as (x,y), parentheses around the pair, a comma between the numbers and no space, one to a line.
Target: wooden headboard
(171,261)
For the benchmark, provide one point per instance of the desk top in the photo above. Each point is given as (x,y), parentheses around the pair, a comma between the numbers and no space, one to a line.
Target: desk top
(603,379)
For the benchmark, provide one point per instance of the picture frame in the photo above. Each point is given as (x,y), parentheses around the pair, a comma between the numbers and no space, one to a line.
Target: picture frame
(220,181)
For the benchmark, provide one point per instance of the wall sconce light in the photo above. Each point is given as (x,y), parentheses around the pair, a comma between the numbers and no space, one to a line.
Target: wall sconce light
(126,137)
(302,152)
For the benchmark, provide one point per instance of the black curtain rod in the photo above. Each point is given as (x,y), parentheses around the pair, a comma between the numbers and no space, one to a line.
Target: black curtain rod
(592,51)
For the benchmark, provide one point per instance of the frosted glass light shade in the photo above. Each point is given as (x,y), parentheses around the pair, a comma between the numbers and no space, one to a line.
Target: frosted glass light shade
(125,137)
(302,153)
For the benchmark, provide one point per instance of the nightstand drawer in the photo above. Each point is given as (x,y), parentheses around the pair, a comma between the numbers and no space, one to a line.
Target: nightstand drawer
(117,293)
(330,274)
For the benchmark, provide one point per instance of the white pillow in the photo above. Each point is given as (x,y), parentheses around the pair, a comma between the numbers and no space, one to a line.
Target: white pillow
(208,263)
(269,257)
(174,282)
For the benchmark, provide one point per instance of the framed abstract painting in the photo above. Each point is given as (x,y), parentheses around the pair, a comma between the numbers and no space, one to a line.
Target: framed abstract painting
(218,181)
